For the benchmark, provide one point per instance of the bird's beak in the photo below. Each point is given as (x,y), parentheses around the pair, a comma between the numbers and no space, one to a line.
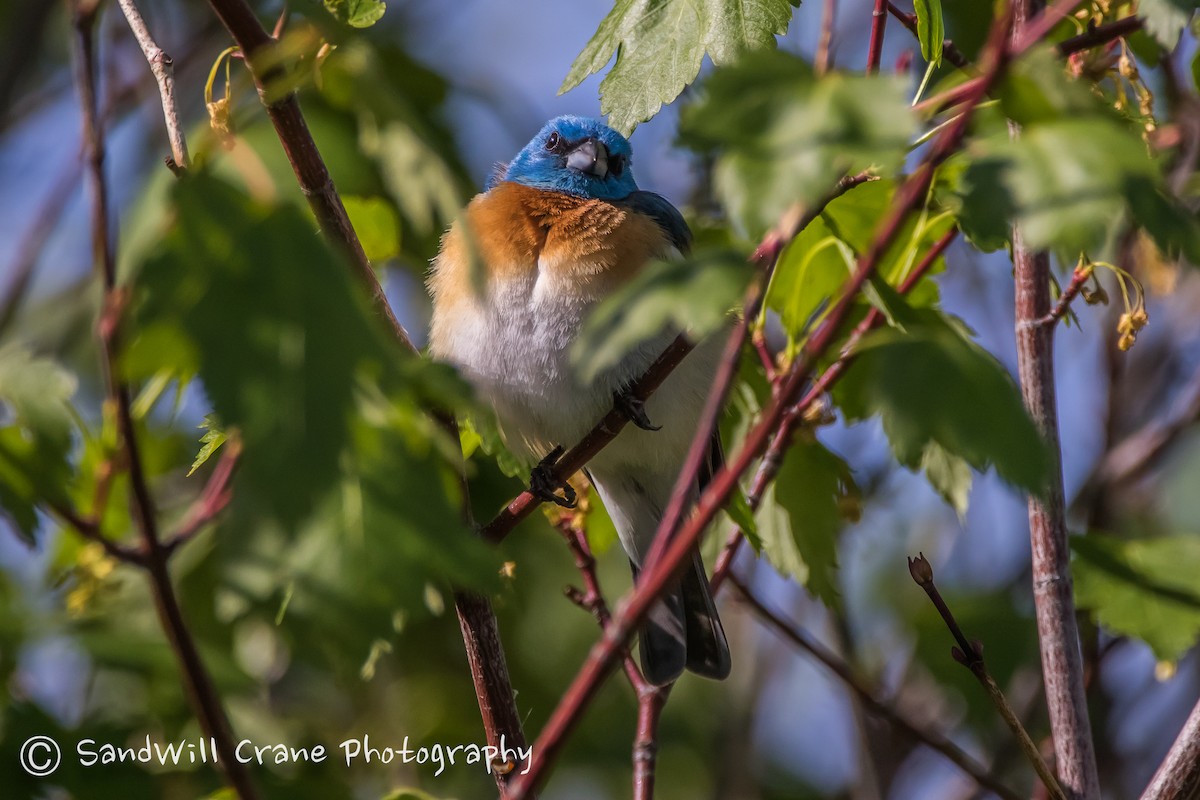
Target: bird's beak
(589,157)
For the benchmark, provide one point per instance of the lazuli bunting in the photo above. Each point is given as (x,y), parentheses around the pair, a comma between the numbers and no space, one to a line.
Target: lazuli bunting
(559,229)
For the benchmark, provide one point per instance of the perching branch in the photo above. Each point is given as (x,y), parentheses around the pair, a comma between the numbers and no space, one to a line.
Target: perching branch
(671,547)
(868,696)
(201,692)
(970,655)
(164,74)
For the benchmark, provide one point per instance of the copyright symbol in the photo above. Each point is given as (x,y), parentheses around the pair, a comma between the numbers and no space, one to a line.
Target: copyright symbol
(40,756)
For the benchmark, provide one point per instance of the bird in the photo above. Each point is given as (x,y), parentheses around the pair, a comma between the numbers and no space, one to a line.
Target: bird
(558,229)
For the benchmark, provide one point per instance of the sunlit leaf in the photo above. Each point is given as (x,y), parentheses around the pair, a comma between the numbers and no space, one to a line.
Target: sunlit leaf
(783,135)
(931,31)
(357,13)
(660,44)
(1166,19)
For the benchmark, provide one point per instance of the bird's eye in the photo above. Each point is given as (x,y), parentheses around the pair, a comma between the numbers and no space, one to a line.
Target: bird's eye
(552,141)
(616,165)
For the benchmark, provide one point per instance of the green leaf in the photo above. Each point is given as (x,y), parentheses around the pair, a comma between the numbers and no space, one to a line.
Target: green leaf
(277,351)
(933,386)
(211,441)
(35,441)
(784,136)
(738,510)
(816,264)
(660,44)
(356,13)
(693,294)
(377,225)
(1143,588)
(799,518)
(1166,19)
(949,475)
(931,30)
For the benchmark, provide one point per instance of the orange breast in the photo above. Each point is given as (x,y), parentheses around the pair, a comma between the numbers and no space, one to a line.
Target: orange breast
(515,230)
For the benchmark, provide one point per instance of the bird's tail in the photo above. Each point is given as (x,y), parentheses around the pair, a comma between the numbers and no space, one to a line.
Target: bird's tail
(683,630)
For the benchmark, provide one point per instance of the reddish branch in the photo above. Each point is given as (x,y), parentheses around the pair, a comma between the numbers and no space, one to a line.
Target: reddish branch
(212,500)
(651,699)
(672,550)
(870,699)
(823,61)
(875,47)
(201,692)
(1079,279)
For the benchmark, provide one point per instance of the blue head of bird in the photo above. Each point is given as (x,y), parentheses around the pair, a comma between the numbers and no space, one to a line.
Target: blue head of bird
(578,156)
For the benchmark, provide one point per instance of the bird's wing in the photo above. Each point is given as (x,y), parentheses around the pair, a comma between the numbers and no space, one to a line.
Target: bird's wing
(664,214)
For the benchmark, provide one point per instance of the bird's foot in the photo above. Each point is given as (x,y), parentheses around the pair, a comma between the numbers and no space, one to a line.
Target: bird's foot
(635,409)
(544,485)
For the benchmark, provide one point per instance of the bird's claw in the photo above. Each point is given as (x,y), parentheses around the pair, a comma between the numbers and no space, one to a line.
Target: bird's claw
(634,408)
(544,485)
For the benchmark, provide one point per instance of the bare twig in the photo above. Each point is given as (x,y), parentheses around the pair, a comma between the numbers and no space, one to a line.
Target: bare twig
(1178,777)
(1101,34)
(164,74)
(204,699)
(1058,632)
(870,699)
(823,61)
(1079,278)
(875,46)
(89,529)
(970,655)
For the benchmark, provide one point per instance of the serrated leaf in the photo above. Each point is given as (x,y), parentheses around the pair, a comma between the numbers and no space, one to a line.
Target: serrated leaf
(1166,19)
(693,294)
(931,29)
(932,385)
(210,442)
(799,518)
(660,44)
(356,13)
(784,136)
(1143,588)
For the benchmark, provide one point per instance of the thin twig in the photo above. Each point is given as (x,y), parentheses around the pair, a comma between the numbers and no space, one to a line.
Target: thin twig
(89,529)
(823,62)
(970,655)
(932,739)
(164,74)
(1178,777)
(875,46)
(1101,34)
(1079,279)
(204,699)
